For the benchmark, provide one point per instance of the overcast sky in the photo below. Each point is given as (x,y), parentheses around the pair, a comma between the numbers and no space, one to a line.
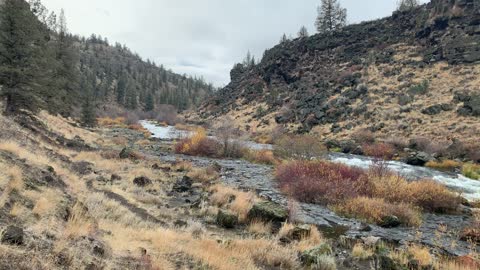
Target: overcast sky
(202,37)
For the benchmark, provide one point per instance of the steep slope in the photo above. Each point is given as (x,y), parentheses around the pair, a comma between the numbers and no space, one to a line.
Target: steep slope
(415,73)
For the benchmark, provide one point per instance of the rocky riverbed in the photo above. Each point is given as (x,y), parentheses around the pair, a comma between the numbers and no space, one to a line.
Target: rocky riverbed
(438,231)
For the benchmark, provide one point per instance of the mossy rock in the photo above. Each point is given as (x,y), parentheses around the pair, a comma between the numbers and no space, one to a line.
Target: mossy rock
(226,219)
(316,255)
(269,212)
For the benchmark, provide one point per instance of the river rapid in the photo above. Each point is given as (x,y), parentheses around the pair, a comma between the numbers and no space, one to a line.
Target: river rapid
(245,175)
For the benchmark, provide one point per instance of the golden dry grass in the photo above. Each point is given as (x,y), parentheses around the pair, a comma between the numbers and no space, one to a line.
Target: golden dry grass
(446,164)
(260,227)
(362,252)
(237,201)
(203,174)
(374,210)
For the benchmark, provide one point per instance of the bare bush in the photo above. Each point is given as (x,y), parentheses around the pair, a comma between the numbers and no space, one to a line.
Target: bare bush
(299,147)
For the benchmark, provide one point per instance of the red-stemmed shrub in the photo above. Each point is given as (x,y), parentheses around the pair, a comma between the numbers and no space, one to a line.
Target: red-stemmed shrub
(321,182)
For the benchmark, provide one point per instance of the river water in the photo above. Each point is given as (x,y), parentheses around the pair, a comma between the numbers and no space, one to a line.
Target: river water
(245,175)
(469,188)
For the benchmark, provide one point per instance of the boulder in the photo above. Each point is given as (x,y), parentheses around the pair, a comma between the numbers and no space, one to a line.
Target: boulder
(13,235)
(390,222)
(183,185)
(268,211)
(432,110)
(126,153)
(471,107)
(418,158)
(142,181)
(315,255)
(297,233)
(226,219)
(82,167)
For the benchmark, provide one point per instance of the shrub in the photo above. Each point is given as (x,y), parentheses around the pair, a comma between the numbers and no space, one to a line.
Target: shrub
(361,252)
(331,183)
(299,147)
(382,151)
(364,136)
(321,182)
(198,145)
(427,194)
(427,145)
(109,122)
(374,210)
(471,170)
(261,157)
(419,89)
(446,164)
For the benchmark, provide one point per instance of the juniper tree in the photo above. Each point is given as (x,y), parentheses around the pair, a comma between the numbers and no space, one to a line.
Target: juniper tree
(331,16)
(404,5)
(303,33)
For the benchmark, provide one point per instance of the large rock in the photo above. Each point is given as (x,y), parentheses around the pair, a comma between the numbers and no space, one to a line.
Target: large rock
(142,181)
(316,255)
(13,235)
(268,211)
(471,107)
(390,222)
(418,158)
(183,185)
(126,153)
(226,219)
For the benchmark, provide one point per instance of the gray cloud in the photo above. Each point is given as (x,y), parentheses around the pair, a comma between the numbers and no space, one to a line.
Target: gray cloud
(202,37)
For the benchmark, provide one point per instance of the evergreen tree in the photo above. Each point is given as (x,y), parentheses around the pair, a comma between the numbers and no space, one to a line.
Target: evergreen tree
(121,89)
(149,103)
(88,104)
(303,33)
(283,39)
(21,44)
(404,5)
(66,72)
(331,16)
(249,60)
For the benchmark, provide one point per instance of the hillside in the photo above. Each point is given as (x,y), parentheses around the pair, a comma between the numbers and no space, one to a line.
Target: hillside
(44,66)
(123,78)
(413,74)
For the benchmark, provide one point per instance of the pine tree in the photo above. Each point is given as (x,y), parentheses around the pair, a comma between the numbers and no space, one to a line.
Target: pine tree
(66,72)
(88,105)
(404,5)
(283,39)
(303,33)
(121,89)
(21,43)
(249,60)
(149,103)
(331,16)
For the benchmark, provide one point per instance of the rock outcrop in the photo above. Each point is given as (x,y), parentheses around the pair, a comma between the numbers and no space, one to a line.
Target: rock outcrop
(326,80)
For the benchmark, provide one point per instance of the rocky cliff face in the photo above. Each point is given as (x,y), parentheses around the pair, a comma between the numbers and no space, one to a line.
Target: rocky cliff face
(378,75)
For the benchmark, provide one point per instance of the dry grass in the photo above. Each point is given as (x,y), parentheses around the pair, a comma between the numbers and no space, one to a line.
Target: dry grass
(67,128)
(446,164)
(421,254)
(375,210)
(204,175)
(13,181)
(471,170)
(362,252)
(112,122)
(260,227)
(237,201)
(261,157)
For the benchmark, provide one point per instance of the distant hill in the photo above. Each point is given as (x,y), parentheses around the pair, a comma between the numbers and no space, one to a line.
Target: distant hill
(43,66)
(415,73)
(125,79)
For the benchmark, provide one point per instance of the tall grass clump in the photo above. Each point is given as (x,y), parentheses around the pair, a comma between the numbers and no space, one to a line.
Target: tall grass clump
(471,170)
